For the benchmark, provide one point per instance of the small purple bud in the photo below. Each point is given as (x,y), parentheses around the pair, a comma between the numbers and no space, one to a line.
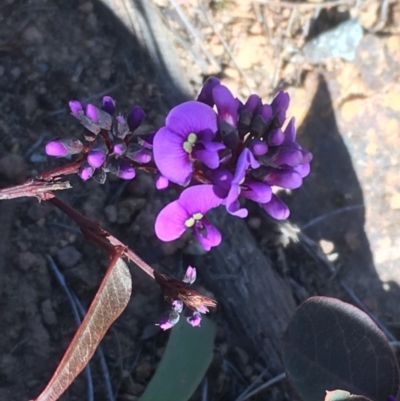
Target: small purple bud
(290,132)
(202,309)
(166,322)
(279,106)
(56,148)
(126,171)
(281,156)
(205,95)
(85,172)
(161,182)
(266,113)
(276,208)
(177,306)
(135,118)
(75,107)
(303,169)
(108,105)
(119,147)
(276,137)
(258,147)
(195,319)
(287,178)
(190,275)
(142,157)
(253,103)
(96,158)
(92,112)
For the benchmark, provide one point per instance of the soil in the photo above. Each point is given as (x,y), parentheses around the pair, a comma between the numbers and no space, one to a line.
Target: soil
(348,208)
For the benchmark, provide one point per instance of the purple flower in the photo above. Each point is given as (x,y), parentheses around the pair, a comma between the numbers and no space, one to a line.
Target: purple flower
(276,208)
(195,319)
(108,105)
(206,93)
(85,171)
(126,171)
(161,182)
(187,136)
(167,322)
(189,212)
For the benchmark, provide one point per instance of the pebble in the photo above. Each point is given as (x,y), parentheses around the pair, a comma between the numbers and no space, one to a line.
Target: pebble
(13,167)
(111,213)
(143,371)
(39,211)
(16,72)
(128,207)
(28,260)
(48,314)
(68,257)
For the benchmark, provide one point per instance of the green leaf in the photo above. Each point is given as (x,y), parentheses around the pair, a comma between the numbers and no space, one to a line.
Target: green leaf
(187,356)
(330,345)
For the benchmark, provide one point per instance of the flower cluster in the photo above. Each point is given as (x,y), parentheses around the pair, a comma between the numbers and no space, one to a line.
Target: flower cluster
(216,150)
(111,146)
(234,150)
(179,295)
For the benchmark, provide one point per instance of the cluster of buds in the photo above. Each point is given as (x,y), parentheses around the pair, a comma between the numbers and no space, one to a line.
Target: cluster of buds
(179,294)
(111,145)
(215,149)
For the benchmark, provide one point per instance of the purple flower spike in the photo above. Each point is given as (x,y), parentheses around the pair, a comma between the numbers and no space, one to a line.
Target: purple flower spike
(188,133)
(169,321)
(195,319)
(161,182)
(85,172)
(75,107)
(108,105)
(96,158)
(206,93)
(56,148)
(190,275)
(227,105)
(92,112)
(276,208)
(126,171)
(188,212)
(135,118)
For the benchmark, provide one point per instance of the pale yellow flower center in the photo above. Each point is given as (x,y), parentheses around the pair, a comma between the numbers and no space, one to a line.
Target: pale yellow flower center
(189,143)
(192,220)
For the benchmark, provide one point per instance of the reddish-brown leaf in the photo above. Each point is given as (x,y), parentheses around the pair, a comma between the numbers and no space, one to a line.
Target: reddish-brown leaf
(110,301)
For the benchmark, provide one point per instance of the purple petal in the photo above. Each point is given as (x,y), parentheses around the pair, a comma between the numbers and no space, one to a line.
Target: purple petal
(56,148)
(303,169)
(234,209)
(92,112)
(85,172)
(166,323)
(126,171)
(276,137)
(75,107)
(207,234)
(210,159)
(161,182)
(276,208)
(96,158)
(199,199)
(266,113)
(205,95)
(190,275)
(170,222)
(245,160)
(289,178)
(195,319)
(170,157)
(258,147)
(286,157)
(279,106)
(191,117)
(177,306)
(307,156)
(221,178)
(227,105)
(253,103)
(202,309)
(143,156)
(108,105)
(290,132)
(119,147)
(257,191)
(135,118)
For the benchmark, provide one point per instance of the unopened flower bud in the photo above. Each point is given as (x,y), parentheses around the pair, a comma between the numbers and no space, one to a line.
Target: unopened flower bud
(85,172)
(96,158)
(126,171)
(119,147)
(135,118)
(190,275)
(258,147)
(177,306)
(161,182)
(64,147)
(108,105)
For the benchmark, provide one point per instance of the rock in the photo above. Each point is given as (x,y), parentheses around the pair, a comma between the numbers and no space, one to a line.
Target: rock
(39,211)
(143,371)
(29,260)
(32,36)
(128,207)
(13,167)
(111,213)
(69,256)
